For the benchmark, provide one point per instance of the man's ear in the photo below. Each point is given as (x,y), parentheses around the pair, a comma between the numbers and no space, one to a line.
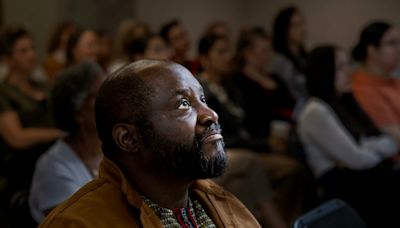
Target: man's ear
(125,136)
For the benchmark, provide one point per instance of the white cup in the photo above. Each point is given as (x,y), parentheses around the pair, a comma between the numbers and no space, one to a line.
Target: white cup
(280,128)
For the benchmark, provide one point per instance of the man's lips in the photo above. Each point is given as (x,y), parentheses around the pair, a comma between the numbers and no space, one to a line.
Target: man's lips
(212,136)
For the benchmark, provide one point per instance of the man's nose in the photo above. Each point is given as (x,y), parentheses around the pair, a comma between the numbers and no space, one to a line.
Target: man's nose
(207,116)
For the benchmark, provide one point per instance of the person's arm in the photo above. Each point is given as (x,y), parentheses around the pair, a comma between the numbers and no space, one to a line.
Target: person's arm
(272,216)
(20,138)
(385,145)
(380,110)
(392,130)
(331,137)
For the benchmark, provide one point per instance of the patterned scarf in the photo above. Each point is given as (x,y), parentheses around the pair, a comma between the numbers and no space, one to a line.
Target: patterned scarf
(192,216)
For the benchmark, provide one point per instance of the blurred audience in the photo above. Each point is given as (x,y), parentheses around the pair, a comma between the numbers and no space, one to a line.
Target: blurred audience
(253,54)
(128,32)
(82,45)
(374,86)
(220,28)
(224,97)
(56,49)
(151,46)
(345,150)
(177,37)
(245,167)
(288,42)
(299,127)
(74,160)
(105,52)
(26,123)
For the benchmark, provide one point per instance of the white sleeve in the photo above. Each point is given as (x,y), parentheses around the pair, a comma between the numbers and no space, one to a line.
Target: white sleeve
(383,145)
(324,130)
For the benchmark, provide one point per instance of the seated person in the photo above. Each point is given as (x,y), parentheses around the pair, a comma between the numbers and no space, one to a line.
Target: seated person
(26,123)
(56,50)
(176,36)
(82,45)
(289,33)
(374,86)
(151,46)
(74,160)
(159,143)
(128,31)
(224,97)
(266,98)
(345,150)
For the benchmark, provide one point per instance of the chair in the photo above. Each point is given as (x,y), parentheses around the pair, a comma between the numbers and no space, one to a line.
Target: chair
(332,214)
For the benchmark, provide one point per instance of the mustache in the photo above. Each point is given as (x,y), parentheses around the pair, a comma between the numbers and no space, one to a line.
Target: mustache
(214,128)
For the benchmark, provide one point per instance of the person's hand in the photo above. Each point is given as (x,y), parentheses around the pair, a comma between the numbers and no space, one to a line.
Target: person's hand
(277,144)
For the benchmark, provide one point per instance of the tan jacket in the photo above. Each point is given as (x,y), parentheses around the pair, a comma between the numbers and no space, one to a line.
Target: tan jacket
(111,202)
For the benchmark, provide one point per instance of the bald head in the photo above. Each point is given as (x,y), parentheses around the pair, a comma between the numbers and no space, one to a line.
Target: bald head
(125,94)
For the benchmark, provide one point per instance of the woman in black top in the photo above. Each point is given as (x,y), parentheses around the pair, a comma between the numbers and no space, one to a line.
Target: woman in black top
(265,96)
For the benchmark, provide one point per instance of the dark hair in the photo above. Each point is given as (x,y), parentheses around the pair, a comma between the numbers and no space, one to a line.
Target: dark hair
(320,73)
(123,98)
(9,36)
(207,42)
(281,28)
(129,30)
(55,37)
(136,47)
(139,45)
(102,33)
(370,35)
(165,29)
(210,29)
(70,93)
(280,34)
(245,40)
(72,42)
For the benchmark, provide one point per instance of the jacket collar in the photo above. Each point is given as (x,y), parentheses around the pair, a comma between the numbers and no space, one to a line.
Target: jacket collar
(112,173)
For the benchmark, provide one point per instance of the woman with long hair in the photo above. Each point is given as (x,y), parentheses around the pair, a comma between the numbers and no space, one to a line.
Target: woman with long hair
(288,42)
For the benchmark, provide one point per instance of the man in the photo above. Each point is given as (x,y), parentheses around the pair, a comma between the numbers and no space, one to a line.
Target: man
(158,137)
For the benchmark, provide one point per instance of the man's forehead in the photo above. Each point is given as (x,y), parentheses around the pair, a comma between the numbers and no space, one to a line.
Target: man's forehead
(173,78)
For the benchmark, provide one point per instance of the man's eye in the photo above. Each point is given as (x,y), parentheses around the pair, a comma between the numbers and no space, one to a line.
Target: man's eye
(184,104)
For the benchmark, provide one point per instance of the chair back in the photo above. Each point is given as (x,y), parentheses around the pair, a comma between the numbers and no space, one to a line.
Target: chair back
(331,214)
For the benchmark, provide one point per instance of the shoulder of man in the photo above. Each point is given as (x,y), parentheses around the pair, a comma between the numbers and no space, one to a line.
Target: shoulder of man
(223,207)
(98,204)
